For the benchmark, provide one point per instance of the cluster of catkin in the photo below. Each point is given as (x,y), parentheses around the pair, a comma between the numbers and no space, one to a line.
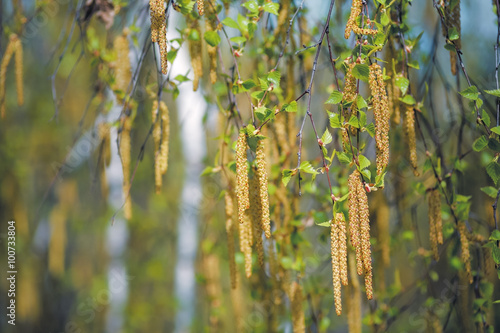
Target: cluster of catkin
(195,53)
(339,258)
(125,147)
(356,9)
(296,299)
(359,229)
(15,47)
(411,137)
(201,7)
(211,25)
(123,72)
(350,93)
(435,222)
(161,134)
(253,217)
(159,30)
(465,252)
(382,115)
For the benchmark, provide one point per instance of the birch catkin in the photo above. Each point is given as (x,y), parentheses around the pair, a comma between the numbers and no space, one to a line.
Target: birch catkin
(159,30)
(195,53)
(353,206)
(256,213)
(230,230)
(242,177)
(335,267)
(382,114)
(339,258)
(123,72)
(465,252)
(201,7)
(161,133)
(411,137)
(356,8)
(125,157)
(296,298)
(11,48)
(435,222)
(19,72)
(262,182)
(364,217)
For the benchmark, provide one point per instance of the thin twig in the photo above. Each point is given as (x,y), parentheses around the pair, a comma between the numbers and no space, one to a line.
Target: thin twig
(308,112)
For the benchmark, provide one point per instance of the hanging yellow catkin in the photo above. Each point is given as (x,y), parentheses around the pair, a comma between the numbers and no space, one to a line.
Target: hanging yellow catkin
(165,137)
(123,72)
(296,298)
(19,72)
(155,7)
(364,222)
(339,258)
(435,222)
(230,231)
(381,114)
(354,222)
(125,157)
(157,141)
(411,137)
(242,177)
(195,53)
(356,8)
(341,223)
(337,295)
(201,7)
(212,51)
(263,182)
(159,30)
(9,52)
(465,252)
(245,232)
(57,246)
(256,213)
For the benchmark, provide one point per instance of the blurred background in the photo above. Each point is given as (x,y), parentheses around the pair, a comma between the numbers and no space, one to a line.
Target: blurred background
(83,267)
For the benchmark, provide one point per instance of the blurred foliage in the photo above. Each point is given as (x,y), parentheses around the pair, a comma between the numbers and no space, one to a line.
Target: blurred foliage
(266,69)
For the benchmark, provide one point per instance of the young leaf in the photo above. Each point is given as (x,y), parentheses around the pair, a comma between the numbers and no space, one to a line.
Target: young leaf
(335,121)
(212,38)
(453,34)
(470,93)
(495,92)
(408,99)
(490,190)
(327,137)
(274,78)
(361,71)
(403,84)
(360,102)
(286,176)
(493,170)
(496,130)
(229,22)
(363,162)
(371,129)
(307,167)
(292,107)
(480,143)
(272,8)
(335,98)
